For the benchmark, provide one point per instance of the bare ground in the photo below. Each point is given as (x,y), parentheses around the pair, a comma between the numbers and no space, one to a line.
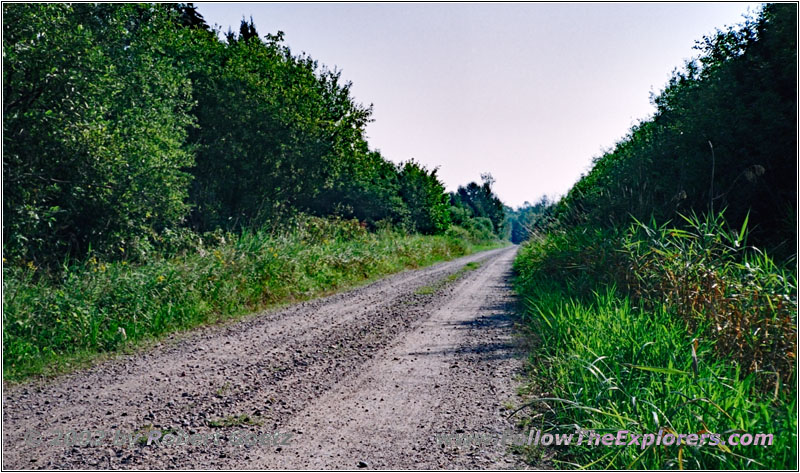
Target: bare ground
(361,379)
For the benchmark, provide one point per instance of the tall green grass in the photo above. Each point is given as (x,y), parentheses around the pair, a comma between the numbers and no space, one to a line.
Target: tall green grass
(687,331)
(51,322)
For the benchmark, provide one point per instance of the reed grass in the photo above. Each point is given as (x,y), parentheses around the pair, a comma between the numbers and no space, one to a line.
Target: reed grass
(689,331)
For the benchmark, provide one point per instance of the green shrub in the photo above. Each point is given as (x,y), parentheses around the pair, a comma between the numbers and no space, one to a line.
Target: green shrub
(99,306)
(723,136)
(96,112)
(687,330)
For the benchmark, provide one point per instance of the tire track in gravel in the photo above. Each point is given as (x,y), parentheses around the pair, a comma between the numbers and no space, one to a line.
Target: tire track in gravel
(317,369)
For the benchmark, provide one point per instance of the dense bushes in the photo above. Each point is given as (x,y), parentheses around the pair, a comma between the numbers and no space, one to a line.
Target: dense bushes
(96,306)
(124,124)
(479,202)
(528,219)
(686,326)
(96,110)
(703,273)
(724,136)
(273,131)
(715,283)
(685,330)
(425,198)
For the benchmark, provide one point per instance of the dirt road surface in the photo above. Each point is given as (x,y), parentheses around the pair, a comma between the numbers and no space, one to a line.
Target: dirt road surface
(362,379)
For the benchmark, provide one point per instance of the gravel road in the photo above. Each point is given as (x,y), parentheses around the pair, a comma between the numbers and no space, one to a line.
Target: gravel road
(363,379)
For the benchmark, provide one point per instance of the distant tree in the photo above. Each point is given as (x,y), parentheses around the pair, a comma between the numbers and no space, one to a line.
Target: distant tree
(424,197)
(481,202)
(528,219)
(247,30)
(187,15)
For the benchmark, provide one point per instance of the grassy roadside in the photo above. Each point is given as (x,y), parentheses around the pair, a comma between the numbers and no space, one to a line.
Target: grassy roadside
(684,331)
(52,325)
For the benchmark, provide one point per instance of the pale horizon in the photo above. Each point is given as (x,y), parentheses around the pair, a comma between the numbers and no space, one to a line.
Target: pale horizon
(527,92)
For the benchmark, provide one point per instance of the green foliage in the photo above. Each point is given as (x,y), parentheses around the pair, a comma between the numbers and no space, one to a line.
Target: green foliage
(528,219)
(638,374)
(710,278)
(475,231)
(700,336)
(124,125)
(367,188)
(274,132)
(186,15)
(96,107)
(479,201)
(100,306)
(424,198)
(723,136)
(580,258)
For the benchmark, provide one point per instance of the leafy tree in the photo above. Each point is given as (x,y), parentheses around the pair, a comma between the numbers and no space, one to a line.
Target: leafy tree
(122,120)
(96,108)
(247,30)
(272,128)
(424,197)
(366,187)
(724,136)
(187,15)
(529,218)
(481,202)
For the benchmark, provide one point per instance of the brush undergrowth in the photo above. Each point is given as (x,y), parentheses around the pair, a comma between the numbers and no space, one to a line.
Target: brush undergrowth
(656,328)
(53,322)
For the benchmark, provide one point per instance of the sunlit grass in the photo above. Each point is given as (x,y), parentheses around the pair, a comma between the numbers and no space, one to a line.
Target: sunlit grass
(605,360)
(96,307)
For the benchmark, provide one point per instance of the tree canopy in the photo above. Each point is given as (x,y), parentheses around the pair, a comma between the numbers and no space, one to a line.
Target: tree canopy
(724,136)
(122,122)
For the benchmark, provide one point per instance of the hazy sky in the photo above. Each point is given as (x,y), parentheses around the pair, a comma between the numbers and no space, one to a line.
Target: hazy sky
(528,92)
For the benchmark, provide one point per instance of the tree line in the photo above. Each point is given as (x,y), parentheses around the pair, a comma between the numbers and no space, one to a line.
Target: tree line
(126,122)
(673,260)
(723,138)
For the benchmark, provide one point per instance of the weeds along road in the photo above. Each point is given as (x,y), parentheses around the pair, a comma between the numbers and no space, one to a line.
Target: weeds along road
(362,379)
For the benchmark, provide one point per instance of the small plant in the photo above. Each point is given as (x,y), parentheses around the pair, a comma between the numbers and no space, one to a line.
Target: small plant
(222,390)
(426,290)
(723,289)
